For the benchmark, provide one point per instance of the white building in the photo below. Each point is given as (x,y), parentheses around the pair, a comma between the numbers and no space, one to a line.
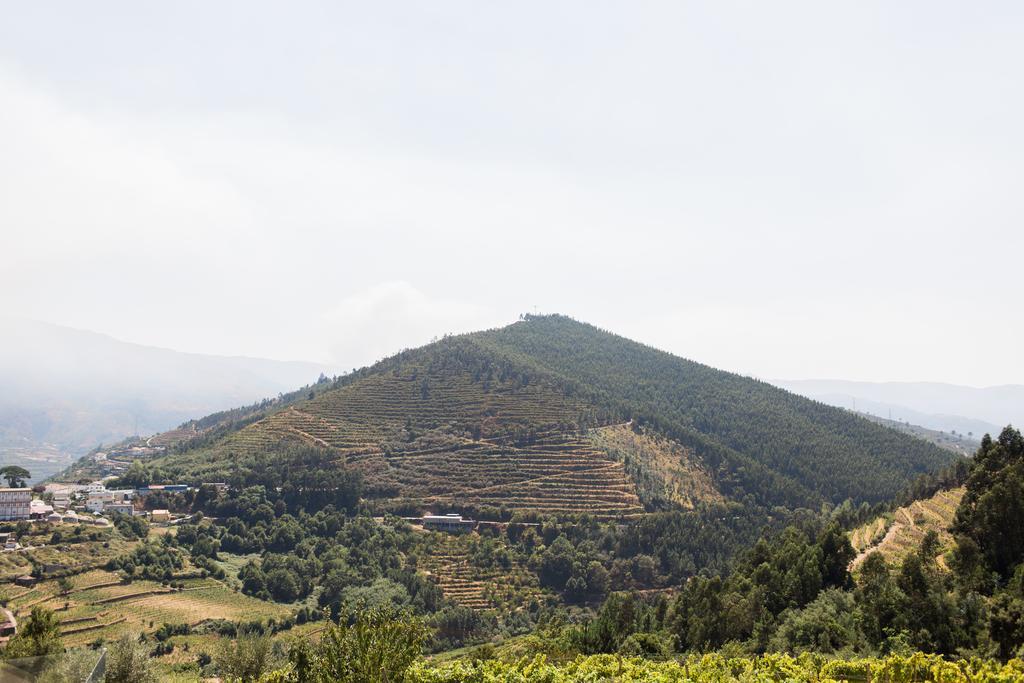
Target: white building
(125,508)
(38,509)
(99,499)
(450,522)
(15,503)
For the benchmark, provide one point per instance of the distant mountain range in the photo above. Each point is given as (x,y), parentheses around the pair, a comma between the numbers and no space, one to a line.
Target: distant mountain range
(556,416)
(64,391)
(943,407)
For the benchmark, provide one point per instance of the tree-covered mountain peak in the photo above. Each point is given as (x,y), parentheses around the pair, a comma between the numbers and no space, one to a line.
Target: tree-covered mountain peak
(500,421)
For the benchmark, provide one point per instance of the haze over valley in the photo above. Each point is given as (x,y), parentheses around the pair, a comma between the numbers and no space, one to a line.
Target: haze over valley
(485,342)
(67,391)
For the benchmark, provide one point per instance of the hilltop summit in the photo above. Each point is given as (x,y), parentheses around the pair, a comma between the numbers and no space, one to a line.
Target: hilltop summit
(556,416)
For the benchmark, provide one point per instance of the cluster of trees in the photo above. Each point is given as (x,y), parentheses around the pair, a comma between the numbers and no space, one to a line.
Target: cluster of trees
(157,561)
(792,591)
(15,476)
(355,562)
(296,477)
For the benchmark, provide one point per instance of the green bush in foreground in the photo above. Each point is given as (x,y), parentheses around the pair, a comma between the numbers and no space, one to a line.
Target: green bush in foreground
(713,668)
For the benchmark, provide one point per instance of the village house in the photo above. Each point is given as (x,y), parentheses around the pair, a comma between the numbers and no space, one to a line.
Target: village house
(99,499)
(8,625)
(39,509)
(124,508)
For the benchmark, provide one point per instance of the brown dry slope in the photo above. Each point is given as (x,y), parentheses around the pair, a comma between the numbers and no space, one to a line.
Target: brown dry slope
(897,535)
(663,469)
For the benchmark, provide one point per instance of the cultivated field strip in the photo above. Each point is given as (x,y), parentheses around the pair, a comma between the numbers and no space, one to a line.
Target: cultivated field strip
(468,585)
(449,439)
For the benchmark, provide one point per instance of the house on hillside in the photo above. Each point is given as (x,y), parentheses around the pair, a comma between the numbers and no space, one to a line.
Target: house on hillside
(8,625)
(160,516)
(38,509)
(125,508)
(451,522)
(98,500)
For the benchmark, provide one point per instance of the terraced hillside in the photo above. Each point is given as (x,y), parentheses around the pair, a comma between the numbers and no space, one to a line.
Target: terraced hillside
(451,438)
(464,568)
(898,534)
(524,419)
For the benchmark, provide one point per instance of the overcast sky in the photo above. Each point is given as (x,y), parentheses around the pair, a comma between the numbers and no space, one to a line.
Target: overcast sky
(791,189)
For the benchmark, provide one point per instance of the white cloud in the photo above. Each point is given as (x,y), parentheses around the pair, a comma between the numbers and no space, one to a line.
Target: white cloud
(665,173)
(386,318)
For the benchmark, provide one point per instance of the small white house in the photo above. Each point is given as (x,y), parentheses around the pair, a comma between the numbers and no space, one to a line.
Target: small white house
(125,508)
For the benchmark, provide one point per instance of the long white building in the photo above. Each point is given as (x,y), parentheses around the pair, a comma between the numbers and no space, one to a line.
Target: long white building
(15,503)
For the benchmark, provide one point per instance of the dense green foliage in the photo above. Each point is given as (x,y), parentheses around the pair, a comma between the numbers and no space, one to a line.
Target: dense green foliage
(37,636)
(128,662)
(383,645)
(14,475)
(375,645)
(716,668)
(990,520)
(792,592)
(244,659)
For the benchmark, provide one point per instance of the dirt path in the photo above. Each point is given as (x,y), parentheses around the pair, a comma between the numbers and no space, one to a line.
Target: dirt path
(895,529)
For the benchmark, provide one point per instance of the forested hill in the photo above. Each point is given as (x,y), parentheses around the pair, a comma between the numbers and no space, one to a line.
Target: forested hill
(553,416)
(823,449)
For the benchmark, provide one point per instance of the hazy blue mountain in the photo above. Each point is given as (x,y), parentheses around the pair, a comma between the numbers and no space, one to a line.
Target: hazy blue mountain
(934,405)
(64,390)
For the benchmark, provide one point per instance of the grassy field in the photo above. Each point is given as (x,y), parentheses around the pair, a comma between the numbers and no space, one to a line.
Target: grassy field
(101,607)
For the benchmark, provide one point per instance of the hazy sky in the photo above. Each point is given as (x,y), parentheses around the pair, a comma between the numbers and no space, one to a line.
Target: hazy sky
(790,189)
